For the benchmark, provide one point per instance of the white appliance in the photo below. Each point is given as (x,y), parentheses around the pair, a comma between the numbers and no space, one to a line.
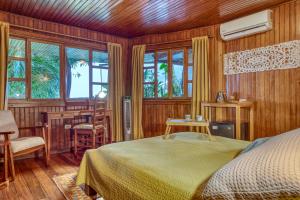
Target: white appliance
(127,118)
(251,24)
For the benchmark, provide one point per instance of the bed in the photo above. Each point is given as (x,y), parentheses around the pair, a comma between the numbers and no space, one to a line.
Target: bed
(154,168)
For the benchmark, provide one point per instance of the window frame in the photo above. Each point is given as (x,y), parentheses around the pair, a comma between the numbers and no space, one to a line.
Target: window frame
(62,44)
(98,67)
(61,65)
(91,83)
(170,74)
(25,59)
(154,83)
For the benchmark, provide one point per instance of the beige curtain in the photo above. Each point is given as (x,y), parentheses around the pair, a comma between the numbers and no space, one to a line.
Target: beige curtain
(201,81)
(116,89)
(138,53)
(4,38)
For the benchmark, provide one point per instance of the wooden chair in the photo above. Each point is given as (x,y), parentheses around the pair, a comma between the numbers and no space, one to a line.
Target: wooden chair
(14,146)
(69,123)
(91,135)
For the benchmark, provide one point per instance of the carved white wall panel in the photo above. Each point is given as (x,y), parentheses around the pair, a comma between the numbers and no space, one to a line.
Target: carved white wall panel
(280,56)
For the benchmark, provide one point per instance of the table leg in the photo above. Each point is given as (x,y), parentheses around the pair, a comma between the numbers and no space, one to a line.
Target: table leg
(251,123)
(238,122)
(167,132)
(209,133)
(49,137)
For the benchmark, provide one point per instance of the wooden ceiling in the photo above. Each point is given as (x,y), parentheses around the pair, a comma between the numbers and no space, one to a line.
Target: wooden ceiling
(132,18)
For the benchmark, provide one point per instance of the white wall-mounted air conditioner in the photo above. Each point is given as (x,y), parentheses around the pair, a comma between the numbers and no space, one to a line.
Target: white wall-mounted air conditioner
(251,24)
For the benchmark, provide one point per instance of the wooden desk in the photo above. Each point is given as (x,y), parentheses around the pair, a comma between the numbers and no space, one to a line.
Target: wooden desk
(237,106)
(183,122)
(47,118)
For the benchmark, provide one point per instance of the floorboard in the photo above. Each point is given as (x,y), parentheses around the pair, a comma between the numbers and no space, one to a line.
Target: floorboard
(34,180)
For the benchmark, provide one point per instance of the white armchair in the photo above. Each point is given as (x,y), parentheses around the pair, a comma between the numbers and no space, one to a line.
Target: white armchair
(15,146)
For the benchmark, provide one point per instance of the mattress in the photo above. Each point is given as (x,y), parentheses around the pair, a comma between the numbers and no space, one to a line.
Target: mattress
(154,168)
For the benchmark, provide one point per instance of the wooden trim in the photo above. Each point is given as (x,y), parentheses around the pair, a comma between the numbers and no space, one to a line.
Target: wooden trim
(185,75)
(166,101)
(90,74)
(30,150)
(55,33)
(155,74)
(170,73)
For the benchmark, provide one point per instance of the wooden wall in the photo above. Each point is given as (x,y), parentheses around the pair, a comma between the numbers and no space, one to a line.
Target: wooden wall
(27,113)
(277,93)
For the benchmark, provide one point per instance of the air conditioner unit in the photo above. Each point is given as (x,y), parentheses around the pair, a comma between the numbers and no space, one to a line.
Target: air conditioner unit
(127,118)
(252,24)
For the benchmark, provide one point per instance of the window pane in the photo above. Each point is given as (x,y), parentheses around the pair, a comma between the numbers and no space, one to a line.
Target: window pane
(149,75)
(16,69)
(178,73)
(149,60)
(162,74)
(190,56)
(77,73)
(16,48)
(190,89)
(16,89)
(45,71)
(100,58)
(100,75)
(190,73)
(100,90)
(148,90)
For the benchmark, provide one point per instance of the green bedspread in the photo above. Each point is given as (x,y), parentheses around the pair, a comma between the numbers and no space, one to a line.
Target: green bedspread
(154,168)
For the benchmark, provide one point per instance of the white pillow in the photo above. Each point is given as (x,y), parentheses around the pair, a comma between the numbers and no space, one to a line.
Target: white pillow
(270,171)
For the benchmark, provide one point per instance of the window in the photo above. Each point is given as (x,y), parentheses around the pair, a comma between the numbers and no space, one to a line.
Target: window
(77,63)
(16,69)
(45,71)
(38,74)
(79,82)
(100,74)
(162,74)
(178,73)
(149,75)
(164,81)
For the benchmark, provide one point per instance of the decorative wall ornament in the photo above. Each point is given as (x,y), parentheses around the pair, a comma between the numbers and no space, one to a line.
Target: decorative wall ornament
(279,56)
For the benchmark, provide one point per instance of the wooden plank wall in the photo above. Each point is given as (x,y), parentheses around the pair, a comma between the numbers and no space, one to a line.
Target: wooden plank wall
(27,113)
(277,93)
(155,113)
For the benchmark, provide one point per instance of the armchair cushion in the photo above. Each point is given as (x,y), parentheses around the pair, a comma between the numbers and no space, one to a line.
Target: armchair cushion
(24,143)
(7,123)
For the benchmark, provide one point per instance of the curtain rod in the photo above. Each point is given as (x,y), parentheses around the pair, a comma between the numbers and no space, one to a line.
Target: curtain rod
(175,41)
(55,33)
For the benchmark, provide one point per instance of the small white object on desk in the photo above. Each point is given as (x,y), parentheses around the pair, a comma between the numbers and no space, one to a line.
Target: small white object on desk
(199,118)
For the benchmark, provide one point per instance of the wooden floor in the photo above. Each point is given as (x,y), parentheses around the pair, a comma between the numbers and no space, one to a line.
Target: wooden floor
(34,179)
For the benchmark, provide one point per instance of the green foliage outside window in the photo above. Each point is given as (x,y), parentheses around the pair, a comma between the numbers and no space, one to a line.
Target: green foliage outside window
(162,84)
(45,71)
